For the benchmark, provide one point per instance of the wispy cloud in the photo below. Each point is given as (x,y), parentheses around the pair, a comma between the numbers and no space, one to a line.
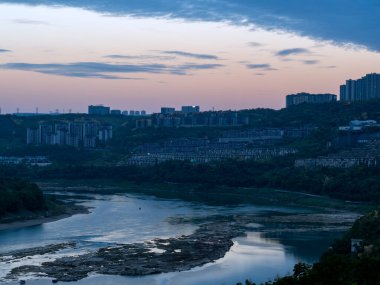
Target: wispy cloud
(310,62)
(140,57)
(103,70)
(255,44)
(292,51)
(4,50)
(30,22)
(184,69)
(263,66)
(328,66)
(191,55)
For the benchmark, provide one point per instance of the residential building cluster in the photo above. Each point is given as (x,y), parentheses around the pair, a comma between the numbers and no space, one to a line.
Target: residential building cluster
(211,155)
(27,160)
(358,125)
(258,144)
(85,134)
(296,99)
(357,132)
(184,109)
(252,135)
(101,110)
(366,155)
(264,135)
(193,119)
(363,89)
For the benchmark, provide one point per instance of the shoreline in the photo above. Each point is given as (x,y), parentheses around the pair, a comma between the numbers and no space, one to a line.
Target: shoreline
(41,220)
(211,241)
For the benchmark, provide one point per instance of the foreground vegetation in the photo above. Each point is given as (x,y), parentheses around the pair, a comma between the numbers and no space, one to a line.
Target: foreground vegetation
(354,184)
(18,195)
(215,196)
(22,201)
(339,266)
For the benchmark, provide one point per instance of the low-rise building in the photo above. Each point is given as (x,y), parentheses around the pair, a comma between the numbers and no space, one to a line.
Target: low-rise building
(98,110)
(300,98)
(190,109)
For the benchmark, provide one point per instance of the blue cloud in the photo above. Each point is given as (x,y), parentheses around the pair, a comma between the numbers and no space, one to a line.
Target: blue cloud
(191,55)
(292,51)
(140,57)
(263,66)
(186,68)
(102,70)
(342,21)
(5,50)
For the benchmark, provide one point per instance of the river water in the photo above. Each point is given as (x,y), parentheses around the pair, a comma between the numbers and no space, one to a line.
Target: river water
(119,219)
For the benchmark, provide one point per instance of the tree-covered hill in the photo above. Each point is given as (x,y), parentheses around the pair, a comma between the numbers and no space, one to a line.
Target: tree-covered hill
(17,195)
(341,266)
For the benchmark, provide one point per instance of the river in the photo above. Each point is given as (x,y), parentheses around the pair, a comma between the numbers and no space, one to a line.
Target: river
(120,219)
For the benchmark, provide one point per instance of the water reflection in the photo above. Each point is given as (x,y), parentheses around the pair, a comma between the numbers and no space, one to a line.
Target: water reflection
(117,219)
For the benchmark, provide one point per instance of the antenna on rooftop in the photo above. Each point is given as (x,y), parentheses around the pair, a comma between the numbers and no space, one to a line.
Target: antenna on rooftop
(37,110)
(18,110)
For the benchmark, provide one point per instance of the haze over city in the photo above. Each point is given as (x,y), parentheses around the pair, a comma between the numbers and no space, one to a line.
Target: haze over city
(148,54)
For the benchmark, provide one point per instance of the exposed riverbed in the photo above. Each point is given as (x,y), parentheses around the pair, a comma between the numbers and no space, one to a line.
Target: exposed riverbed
(222,245)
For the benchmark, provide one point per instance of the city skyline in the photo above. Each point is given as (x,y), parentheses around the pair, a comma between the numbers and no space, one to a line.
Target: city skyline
(134,56)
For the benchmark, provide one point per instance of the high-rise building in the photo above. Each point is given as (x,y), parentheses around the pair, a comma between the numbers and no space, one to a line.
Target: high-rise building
(90,130)
(296,99)
(105,133)
(45,132)
(98,110)
(365,88)
(32,136)
(190,109)
(76,129)
(77,134)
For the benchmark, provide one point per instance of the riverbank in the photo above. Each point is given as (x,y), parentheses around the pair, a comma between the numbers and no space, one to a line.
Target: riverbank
(216,196)
(211,241)
(57,212)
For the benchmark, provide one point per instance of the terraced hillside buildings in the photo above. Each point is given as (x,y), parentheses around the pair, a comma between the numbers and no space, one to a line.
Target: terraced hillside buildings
(256,144)
(366,155)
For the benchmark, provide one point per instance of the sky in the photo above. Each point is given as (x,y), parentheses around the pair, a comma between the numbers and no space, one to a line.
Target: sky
(144,54)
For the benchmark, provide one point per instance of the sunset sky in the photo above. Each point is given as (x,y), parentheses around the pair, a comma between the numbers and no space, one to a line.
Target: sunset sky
(141,55)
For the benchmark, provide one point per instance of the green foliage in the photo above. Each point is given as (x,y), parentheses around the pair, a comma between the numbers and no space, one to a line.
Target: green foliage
(355,184)
(340,267)
(17,195)
(329,115)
